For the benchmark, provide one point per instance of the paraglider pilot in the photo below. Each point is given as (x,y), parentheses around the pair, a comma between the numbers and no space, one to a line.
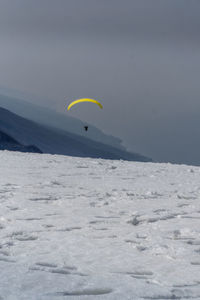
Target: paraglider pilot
(84,100)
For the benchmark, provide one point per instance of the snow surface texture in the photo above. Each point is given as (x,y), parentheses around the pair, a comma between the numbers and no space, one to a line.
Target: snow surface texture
(80,228)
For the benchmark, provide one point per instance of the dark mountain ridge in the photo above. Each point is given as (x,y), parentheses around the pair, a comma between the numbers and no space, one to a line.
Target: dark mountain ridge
(55,141)
(9,143)
(50,118)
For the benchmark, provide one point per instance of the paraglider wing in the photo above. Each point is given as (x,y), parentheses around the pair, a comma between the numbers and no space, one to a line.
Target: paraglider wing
(84,100)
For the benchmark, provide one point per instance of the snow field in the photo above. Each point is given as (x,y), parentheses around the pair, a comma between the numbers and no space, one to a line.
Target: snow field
(80,228)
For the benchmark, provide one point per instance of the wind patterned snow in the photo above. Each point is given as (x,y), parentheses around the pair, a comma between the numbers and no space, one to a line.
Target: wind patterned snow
(76,228)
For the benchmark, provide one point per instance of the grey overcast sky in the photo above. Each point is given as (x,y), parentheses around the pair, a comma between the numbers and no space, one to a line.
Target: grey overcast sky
(140,58)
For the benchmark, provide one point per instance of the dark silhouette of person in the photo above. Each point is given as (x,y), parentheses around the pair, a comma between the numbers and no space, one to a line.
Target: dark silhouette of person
(86,128)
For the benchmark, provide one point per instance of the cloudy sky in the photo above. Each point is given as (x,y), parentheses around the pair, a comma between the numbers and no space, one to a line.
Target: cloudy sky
(140,58)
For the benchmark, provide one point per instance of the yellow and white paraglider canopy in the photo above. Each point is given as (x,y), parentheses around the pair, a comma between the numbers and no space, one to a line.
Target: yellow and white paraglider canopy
(84,100)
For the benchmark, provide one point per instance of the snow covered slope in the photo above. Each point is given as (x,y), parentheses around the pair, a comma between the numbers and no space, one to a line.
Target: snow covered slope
(55,141)
(80,228)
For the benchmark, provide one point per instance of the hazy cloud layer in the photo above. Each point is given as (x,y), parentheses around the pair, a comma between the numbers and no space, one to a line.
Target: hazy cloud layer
(141,58)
